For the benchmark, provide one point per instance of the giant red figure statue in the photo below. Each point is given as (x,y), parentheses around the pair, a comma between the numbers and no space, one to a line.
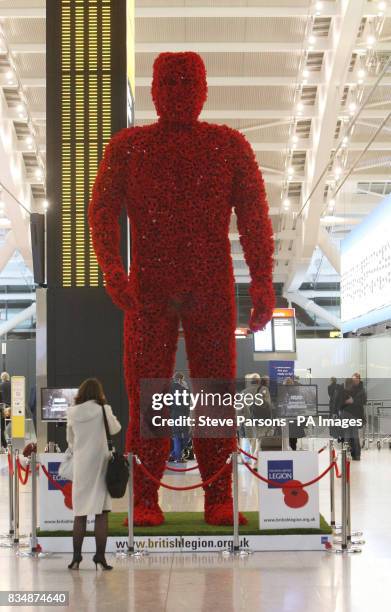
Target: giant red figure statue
(179,180)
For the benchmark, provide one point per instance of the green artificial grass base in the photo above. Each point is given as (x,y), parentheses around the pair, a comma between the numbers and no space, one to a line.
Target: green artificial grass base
(192,523)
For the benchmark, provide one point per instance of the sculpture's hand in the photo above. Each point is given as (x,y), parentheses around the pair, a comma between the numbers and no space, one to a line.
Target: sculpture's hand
(259,317)
(120,291)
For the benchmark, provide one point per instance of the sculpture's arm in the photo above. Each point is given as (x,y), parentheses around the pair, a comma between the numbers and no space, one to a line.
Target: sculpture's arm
(255,231)
(107,200)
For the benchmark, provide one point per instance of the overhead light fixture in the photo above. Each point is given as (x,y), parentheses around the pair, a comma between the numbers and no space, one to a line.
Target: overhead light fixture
(9,76)
(45,204)
(345,141)
(300,108)
(371,40)
(382,6)
(337,171)
(39,174)
(291,171)
(286,203)
(306,73)
(352,108)
(312,39)
(331,203)
(295,139)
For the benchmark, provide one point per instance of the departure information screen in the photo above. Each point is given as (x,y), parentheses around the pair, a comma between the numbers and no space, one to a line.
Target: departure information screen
(279,335)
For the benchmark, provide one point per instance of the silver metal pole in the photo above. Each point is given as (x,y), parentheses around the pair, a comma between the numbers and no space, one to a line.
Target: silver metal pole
(33,467)
(16,497)
(130,505)
(344,543)
(11,494)
(235,491)
(131,552)
(332,484)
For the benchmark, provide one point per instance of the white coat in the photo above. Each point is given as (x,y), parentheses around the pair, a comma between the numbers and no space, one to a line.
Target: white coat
(86,437)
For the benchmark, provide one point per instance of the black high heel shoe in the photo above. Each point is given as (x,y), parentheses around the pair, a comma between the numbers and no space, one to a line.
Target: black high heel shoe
(75,562)
(101,561)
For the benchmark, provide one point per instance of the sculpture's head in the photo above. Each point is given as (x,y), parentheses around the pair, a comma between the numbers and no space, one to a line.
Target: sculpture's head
(179,86)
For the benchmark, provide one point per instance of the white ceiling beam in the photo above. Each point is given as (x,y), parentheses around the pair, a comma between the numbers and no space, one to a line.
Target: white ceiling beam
(20,47)
(250,12)
(27,82)
(7,250)
(23,147)
(329,249)
(308,113)
(36,115)
(311,307)
(270,81)
(306,145)
(249,81)
(336,66)
(25,12)
(329,9)
(229,47)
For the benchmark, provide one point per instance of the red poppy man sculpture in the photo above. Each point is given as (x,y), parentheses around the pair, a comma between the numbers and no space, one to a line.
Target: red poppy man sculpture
(179,180)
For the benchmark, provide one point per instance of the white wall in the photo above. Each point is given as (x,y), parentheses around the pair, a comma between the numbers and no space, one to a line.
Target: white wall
(378,360)
(338,357)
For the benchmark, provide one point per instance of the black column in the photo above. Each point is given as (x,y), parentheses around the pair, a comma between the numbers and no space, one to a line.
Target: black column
(86,104)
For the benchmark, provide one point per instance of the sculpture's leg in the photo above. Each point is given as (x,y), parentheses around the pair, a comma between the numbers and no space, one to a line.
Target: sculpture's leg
(150,340)
(209,322)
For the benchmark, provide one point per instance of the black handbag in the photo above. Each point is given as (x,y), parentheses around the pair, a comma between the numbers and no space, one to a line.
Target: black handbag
(117,474)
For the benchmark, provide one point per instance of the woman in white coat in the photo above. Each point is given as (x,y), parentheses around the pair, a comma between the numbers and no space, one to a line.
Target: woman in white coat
(87,439)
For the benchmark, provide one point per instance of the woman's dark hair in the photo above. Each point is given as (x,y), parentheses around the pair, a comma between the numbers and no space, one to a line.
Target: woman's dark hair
(91,390)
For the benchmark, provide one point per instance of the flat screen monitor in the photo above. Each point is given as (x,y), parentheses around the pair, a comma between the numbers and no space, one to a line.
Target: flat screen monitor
(55,403)
(297,400)
(279,335)
(263,339)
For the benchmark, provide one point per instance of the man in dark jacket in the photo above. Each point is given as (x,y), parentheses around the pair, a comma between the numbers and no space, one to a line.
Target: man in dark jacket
(358,412)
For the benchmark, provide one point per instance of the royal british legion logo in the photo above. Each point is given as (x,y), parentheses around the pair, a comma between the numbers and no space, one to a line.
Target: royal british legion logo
(53,467)
(279,471)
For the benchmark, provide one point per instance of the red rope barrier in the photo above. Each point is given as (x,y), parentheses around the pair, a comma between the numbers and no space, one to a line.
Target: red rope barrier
(189,488)
(10,465)
(322,449)
(247,454)
(286,485)
(348,471)
(51,479)
(23,479)
(174,469)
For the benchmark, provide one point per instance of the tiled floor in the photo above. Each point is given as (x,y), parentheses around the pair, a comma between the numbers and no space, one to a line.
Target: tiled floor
(274,582)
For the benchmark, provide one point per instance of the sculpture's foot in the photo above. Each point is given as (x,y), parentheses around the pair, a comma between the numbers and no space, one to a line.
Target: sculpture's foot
(144,515)
(222,514)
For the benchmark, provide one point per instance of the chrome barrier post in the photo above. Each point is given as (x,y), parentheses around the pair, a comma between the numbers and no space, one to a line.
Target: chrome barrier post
(35,549)
(10,534)
(348,510)
(16,497)
(345,542)
(332,484)
(131,552)
(236,550)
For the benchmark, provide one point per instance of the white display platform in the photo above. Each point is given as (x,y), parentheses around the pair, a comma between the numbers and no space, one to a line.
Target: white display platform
(195,544)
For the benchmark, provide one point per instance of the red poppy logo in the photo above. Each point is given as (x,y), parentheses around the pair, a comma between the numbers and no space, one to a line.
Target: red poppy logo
(294,494)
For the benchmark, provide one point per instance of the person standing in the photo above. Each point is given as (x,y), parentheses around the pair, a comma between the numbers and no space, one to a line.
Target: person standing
(5,400)
(86,437)
(358,412)
(180,432)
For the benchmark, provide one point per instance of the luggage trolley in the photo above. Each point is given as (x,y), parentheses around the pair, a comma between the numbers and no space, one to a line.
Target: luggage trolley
(382,424)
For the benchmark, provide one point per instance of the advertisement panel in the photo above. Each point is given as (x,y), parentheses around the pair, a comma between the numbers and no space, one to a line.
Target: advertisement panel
(54,515)
(288,508)
(366,271)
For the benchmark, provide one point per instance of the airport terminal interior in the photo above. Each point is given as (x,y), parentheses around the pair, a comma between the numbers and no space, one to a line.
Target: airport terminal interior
(195,203)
